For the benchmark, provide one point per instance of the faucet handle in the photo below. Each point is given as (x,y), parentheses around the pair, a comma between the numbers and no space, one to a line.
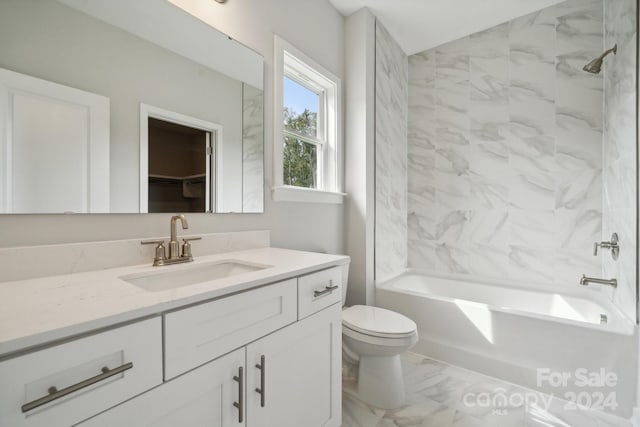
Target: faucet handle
(186,246)
(160,251)
(612,245)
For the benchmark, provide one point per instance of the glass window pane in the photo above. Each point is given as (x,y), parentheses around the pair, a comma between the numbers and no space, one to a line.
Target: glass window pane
(300,163)
(300,108)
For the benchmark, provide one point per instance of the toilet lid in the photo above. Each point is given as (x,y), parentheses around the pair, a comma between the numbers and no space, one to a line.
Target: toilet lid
(377,321)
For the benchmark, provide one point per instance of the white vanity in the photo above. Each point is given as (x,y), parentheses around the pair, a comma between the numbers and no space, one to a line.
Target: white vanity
(258,348)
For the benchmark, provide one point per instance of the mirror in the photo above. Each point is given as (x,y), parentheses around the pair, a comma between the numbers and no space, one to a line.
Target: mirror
(94,93)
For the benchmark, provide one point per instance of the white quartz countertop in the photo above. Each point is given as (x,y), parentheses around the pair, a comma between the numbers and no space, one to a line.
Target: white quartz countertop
(38,311)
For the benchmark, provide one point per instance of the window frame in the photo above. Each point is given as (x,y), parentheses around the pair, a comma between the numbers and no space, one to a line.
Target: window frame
(291,63)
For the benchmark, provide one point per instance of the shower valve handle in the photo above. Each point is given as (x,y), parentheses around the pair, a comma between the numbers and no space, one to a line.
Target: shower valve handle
(612,244)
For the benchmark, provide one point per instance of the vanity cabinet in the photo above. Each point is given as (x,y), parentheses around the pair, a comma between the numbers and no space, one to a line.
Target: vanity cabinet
(266,357)
(40,388)
(300,374)
(200,333)
(202,397)
(291,378)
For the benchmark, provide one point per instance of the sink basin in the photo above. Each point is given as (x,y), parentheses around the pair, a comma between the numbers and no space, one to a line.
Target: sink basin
(172,277)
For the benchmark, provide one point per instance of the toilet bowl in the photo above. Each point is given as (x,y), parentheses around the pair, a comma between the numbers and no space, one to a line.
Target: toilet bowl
(376,337)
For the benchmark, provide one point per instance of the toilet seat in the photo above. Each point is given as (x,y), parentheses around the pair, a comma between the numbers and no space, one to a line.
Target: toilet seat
(377,322)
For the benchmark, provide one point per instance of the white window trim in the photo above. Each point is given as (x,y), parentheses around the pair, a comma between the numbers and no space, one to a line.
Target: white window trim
(331,177)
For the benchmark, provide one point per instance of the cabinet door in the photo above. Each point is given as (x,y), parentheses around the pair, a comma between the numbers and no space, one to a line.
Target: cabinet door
(202,397)
(300,375)
(69,382)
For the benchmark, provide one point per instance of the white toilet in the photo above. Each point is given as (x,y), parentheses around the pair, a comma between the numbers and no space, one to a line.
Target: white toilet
(375,337)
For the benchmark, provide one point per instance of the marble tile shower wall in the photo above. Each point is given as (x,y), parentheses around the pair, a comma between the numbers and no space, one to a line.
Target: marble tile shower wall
(391,155)
(619,173)
(505,149)
(252,149)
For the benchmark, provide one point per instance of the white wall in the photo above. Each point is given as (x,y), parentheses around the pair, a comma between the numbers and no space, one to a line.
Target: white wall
(360,154)
(318,30)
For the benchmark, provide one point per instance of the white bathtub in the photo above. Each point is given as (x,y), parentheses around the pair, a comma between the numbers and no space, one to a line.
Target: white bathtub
(514,333)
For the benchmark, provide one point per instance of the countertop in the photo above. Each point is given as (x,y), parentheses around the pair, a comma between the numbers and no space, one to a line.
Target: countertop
(39,311)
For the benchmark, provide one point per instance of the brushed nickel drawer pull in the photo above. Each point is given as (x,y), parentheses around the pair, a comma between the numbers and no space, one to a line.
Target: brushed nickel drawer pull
(240,403)
(327,290)
(261,390)
(55,394)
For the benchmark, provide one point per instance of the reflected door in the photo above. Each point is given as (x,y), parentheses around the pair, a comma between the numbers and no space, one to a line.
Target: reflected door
(178,167)
(55,147)
(180,162)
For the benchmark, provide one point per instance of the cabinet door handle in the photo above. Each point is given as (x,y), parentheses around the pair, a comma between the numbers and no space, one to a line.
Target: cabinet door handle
(327,290)
(55,394)
(240,403)
(261,391)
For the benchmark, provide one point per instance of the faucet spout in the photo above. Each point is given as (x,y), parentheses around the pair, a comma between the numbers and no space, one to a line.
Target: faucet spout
(584,281)
(174,220)
(174,252)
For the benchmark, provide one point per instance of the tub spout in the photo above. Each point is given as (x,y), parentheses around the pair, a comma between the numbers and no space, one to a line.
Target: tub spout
(584,281)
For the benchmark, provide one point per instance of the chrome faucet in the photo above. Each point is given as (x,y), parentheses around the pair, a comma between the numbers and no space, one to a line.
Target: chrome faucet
(584,281)
(175,257)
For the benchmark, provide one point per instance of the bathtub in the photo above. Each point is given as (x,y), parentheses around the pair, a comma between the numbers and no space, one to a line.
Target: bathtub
(532,336)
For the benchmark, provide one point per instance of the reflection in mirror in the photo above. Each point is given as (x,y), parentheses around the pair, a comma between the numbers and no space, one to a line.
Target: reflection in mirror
(54,149)
(88,58)
(178,160)
(179,165)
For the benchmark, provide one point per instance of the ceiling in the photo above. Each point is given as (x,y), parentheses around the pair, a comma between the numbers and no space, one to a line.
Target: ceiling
(418,25)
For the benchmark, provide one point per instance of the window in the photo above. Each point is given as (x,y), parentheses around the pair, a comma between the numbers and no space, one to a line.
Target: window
(307,151)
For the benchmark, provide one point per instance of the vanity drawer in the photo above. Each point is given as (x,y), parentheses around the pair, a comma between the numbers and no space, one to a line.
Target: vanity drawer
(132,353)
(319,290)
(198,334)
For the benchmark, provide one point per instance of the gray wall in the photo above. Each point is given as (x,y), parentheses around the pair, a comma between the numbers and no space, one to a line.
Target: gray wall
(317,29)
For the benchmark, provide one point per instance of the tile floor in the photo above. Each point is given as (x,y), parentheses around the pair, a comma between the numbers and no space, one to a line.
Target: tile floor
(436,396)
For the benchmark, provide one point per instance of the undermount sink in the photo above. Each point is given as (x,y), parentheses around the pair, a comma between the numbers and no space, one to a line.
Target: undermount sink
(186,275)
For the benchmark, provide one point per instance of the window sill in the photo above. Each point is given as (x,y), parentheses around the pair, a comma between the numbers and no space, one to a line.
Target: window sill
(306,195)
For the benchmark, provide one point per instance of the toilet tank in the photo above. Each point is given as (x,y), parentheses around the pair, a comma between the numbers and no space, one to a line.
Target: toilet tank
(345,281)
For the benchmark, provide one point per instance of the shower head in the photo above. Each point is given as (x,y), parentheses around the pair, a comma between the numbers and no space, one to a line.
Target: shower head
(595,66)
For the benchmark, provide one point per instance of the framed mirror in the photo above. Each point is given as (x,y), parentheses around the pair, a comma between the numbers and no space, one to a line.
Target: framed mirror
(126,107)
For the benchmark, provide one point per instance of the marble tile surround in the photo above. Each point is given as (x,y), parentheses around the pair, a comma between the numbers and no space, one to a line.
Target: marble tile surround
(435,398)
(29,262)
(252,149)
(391,155)
(505,149)
(619,174)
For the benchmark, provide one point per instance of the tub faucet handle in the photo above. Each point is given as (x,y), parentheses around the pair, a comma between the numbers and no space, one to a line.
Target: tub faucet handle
(612,245)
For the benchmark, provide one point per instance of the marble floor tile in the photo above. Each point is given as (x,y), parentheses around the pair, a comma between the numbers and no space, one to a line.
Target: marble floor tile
(441,395)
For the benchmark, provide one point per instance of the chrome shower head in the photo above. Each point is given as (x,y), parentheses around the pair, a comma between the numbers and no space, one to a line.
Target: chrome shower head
(595,66)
